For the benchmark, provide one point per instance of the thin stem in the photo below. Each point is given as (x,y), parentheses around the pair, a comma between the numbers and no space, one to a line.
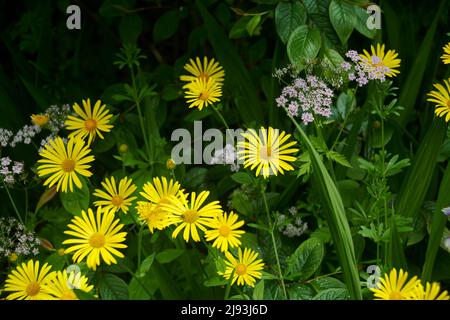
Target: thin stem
(13,203)
(216,110)
(139,244)
(385,182)
(274,244)
(320,135)
(137,279)
(227,290)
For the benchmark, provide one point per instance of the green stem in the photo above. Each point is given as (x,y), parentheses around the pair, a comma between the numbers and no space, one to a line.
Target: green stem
(140,244)
(216,110)
(227,290)
(13,203)
(137,279)
(383,159)
(320,135)
(274,244)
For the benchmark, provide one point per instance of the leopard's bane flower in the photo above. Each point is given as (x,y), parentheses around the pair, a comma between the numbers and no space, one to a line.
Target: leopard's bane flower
(63,284)
(441,97)
(89,122)
(270,152)
(29,281)
(64,163)
(224,231)
(160,190)
(395,286)
(201,93)
(379,62)
(246,268)
(208,70)
(116,197)
(153,215)
(446,56)
(95,236)
(39,119)
(431,291)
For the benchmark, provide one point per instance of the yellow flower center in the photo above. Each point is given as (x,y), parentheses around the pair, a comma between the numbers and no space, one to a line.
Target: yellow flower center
(266,153)
(203,75)
(241,269)
(39,119)
(204,96)
(33,288)
(117,201)
(90,125)
(97,240)
(224,230)
(163,201)
(68,295)
(190,216)
(68,165)
(395,295)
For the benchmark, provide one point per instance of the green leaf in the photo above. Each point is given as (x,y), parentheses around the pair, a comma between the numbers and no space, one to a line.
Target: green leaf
(361,23)
(342,18)
(300,292)
(306,259)
(215,282)
(169,255)
(166,26)
(325,283)
(76,201)
(289,16)
(145,265)
(112,287)
(333,57)
(242,178)
(339,158)
(83,295)
(130,28)
(258,291)
(253,24)
(303,45)
(332,294)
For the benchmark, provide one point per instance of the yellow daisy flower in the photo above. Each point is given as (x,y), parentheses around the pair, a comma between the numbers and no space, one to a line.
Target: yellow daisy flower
(116,198)
(201,93)
(95,236)
(268,153)
(161,190)
(224,231)
(92,122)
(61,287)
(153,215)
(190,215)
(442,99)
(446,56)
(39,119)
(208,70)
(430,292)
(245,269)
(29,282)
(64,163)
(394,286)
(379,61)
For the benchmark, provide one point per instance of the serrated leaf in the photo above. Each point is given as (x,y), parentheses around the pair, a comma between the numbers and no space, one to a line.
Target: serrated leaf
(303,45)
(339,158)
(306,259)
(332,294)
(242,178)
(342,18)
(111,287)
(169,255)
(289,16)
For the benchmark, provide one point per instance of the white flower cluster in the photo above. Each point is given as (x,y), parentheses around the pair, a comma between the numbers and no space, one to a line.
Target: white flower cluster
(226,155)
(291,226)
(5,135)
(15,239)
(9,169)
(57,116)
(25,135)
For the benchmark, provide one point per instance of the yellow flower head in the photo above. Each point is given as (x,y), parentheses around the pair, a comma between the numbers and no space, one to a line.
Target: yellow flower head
(39,119)
(191,214)
(208,70)
(64,163)
(441,97)
(269,153)
(160,190)
(116,198)
(29,282)
(61,287)
(224,231)
(201,93)
(395,286)
(245,269)
(92,122)
(430,292)
(95,236)
(446,56)
(380,62)
(153,215)
(170,164)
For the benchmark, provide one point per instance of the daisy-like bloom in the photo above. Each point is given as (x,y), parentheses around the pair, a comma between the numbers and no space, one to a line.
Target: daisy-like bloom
(93,121)
(64,163)
(61,287)
(208,70)
(29,282)
(223,231)
(39,119)
(430,292)
(160,190)
(95,235)
(446,56)
(191,214)
(442,99)
(379,62)
(269,153)
(245,269)
(395,286)
(116,198)
(153,215)
(201,93)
